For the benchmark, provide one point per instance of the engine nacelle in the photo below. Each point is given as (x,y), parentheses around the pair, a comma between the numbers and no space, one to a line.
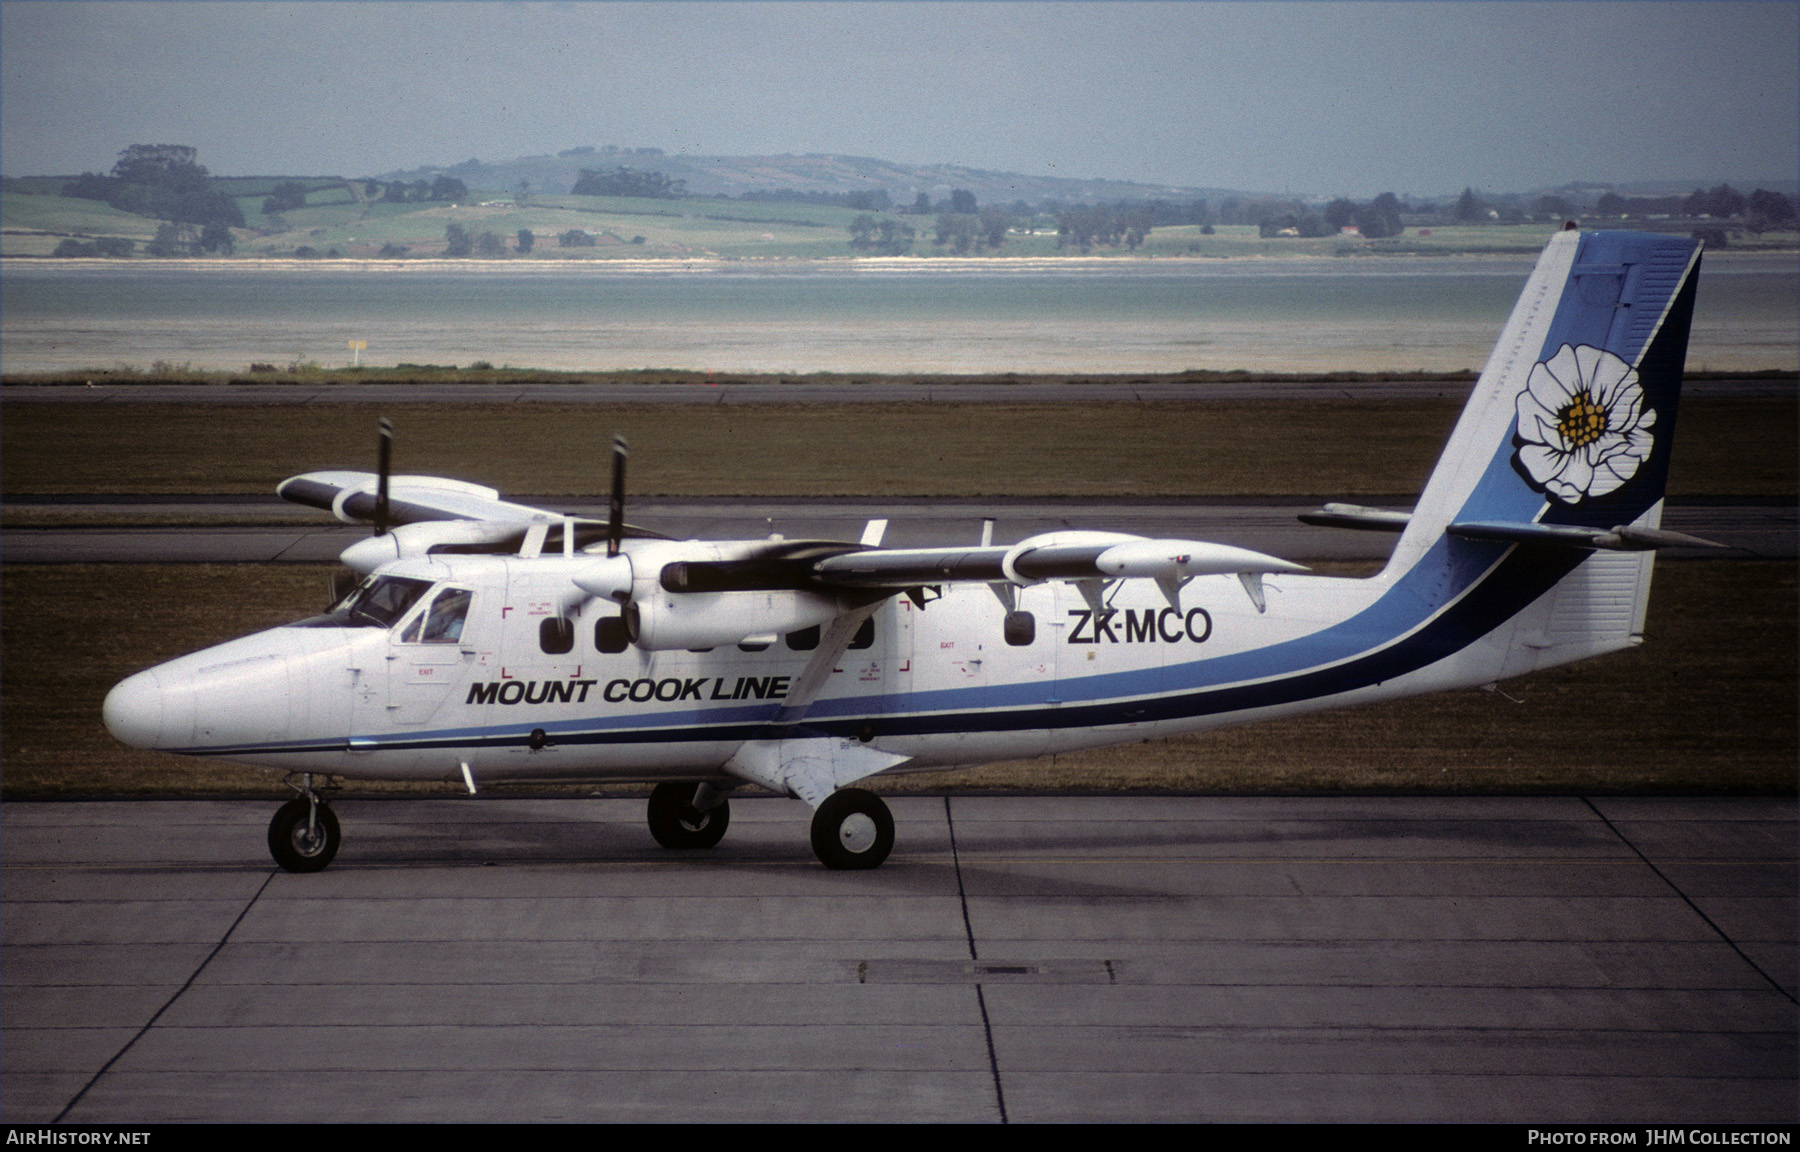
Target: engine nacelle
(419,539)
(664,621)
(609,579)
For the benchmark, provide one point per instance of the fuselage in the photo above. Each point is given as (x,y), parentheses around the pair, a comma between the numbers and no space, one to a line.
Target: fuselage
(344,695)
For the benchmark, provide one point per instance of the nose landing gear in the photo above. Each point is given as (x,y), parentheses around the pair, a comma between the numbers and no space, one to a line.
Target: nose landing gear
(304,836)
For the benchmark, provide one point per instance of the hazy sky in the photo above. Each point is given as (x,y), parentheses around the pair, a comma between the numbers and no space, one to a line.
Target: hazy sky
(1325,98)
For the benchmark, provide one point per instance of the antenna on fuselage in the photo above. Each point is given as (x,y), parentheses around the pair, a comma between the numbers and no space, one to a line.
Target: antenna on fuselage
(383,466)
(615,524)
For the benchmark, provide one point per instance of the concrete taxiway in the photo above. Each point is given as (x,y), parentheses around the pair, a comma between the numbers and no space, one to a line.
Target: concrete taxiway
(1549,959)
(1766,530)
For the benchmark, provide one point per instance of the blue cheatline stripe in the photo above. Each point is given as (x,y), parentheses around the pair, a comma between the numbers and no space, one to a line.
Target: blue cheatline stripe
(1526,573)
(1447,570)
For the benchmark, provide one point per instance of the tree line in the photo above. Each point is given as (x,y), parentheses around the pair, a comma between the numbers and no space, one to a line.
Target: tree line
(1761,210)
(623,181)
(166,182)
(444,189)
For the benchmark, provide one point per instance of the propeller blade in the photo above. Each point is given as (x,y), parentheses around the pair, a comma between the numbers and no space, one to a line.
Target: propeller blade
(382,470)
(615,526)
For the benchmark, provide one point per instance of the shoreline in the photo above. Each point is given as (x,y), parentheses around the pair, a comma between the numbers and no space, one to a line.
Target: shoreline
(1031,265)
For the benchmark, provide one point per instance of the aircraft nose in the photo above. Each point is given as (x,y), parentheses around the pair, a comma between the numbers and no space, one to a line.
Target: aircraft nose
(134,710)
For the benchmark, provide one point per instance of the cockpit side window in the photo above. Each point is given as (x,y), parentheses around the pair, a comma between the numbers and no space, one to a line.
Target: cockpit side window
(383,600)
(444,622)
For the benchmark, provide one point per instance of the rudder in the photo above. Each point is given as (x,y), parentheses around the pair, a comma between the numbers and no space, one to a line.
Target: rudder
(1572,419)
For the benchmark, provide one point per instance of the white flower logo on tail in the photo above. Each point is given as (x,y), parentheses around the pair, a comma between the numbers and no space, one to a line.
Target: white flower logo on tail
(1583,427)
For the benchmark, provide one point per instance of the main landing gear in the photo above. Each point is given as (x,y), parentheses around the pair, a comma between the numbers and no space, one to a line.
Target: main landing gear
(688,815)
(304,836)
(851,829)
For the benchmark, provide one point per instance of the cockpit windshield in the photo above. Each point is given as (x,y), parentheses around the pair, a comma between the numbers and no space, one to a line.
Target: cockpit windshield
(381,600)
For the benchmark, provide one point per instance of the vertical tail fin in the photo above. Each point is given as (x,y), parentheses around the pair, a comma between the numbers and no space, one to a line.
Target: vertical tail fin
(1572,419)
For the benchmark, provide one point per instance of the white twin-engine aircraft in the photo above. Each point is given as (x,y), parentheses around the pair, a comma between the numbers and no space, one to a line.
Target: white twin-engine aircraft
(495,642)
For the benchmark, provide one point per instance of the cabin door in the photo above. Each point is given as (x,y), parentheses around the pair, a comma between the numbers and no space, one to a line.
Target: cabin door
(432,654)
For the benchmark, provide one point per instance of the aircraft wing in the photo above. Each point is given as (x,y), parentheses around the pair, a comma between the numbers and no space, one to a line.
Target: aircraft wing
(351,496)
(1051,556)
(909,567)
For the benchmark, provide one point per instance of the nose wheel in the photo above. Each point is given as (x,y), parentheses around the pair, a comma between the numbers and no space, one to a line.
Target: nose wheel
(303,836)
(852,829)
(676,822)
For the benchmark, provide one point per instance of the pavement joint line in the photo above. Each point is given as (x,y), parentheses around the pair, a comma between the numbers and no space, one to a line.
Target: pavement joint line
(1301,1030)
(736,865)
(987,1027)
(1707,920)
(891,983)
(151,1023)
(808,1069)
(1193,941)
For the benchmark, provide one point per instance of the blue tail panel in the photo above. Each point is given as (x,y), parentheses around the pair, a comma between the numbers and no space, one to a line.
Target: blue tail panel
(1592,419)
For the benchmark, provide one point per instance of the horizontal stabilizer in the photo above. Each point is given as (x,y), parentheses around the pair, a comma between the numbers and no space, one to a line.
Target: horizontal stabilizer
(1624,538)
(1358,517)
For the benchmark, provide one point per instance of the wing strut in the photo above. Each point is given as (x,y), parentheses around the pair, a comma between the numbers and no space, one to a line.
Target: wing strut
(811,767)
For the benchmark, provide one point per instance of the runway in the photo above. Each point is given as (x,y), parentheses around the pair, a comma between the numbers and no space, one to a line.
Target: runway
(796,389)
(293,534)
(1546,959)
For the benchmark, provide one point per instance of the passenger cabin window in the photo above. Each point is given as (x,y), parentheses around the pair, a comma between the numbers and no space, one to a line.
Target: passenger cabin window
(610,634)
(865,636)
(556,635)
(804,640)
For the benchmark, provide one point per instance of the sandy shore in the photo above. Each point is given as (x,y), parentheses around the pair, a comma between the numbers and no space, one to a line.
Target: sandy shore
(886,315)
(933,265)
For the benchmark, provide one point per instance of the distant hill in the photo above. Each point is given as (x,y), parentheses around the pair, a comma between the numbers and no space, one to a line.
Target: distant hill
(1586,191)
(735,175)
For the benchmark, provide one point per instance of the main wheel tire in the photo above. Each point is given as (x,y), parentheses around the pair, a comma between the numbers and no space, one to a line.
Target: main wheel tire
(852,829)
(676,823)
(293,847)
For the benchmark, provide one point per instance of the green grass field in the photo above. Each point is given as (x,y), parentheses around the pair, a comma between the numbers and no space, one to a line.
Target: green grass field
(1707,705)
(58,217)
(1726,447)
(692,228)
